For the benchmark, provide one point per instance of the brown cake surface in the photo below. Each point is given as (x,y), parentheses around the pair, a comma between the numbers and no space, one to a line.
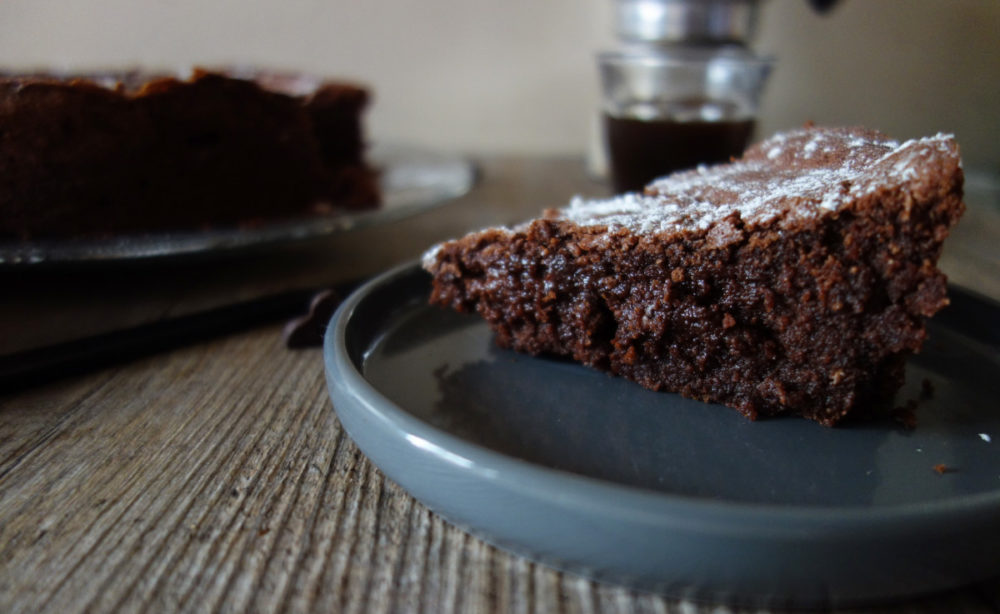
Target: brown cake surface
(93,155)
(795,280)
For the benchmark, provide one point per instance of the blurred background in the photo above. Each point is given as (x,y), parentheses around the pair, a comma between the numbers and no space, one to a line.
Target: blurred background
(519,76)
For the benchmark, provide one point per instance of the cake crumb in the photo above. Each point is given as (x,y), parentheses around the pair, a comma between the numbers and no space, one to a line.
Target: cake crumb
(906,415)
(307,330)
(926,389)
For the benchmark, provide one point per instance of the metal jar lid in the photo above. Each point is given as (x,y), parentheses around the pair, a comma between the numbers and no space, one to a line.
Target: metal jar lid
(686,21)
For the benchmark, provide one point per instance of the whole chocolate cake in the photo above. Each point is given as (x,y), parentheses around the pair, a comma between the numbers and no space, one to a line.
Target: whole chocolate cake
(95,155)
(795,280)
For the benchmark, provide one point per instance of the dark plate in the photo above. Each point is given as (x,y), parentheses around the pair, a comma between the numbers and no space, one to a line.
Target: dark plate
(596,475)
(411,181)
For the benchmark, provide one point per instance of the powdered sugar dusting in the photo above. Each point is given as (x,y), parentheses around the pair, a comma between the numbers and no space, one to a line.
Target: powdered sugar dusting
(429,257)
(791,176)
(798,174)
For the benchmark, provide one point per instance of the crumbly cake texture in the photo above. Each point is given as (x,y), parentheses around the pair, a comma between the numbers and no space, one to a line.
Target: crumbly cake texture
(795,280)
(130,152)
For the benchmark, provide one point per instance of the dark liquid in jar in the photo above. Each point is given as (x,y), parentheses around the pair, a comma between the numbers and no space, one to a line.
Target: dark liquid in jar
(642,150)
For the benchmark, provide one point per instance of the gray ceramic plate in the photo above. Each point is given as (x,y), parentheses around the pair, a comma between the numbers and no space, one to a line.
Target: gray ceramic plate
(595,475)
(411,180)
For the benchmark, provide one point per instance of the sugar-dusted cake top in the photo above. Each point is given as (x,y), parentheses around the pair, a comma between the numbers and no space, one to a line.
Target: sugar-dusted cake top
(790,175)
(786,179)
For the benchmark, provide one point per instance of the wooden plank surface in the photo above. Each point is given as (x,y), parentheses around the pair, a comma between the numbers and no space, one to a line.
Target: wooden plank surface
(215,477)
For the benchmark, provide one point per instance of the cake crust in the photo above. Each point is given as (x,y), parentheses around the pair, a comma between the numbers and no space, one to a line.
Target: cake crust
(795,280)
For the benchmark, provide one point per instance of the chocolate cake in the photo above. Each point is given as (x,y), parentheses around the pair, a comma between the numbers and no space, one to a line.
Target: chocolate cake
(133,153)
(795,280)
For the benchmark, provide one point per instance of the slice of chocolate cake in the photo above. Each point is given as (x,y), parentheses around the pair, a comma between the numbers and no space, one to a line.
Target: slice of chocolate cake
(795,280)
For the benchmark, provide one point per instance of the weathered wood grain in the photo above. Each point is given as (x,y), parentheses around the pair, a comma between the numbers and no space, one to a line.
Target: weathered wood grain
(216,478)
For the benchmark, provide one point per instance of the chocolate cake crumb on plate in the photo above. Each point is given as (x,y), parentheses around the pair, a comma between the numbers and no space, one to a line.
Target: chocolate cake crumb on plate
(795,280)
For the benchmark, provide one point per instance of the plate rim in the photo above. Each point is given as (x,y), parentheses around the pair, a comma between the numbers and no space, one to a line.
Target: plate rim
(490,464)
(683,546)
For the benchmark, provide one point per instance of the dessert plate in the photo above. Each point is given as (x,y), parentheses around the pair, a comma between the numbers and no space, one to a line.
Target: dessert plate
(596,475)
(411,180)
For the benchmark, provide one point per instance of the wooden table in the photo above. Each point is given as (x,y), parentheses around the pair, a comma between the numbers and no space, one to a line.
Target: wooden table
(212,475)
